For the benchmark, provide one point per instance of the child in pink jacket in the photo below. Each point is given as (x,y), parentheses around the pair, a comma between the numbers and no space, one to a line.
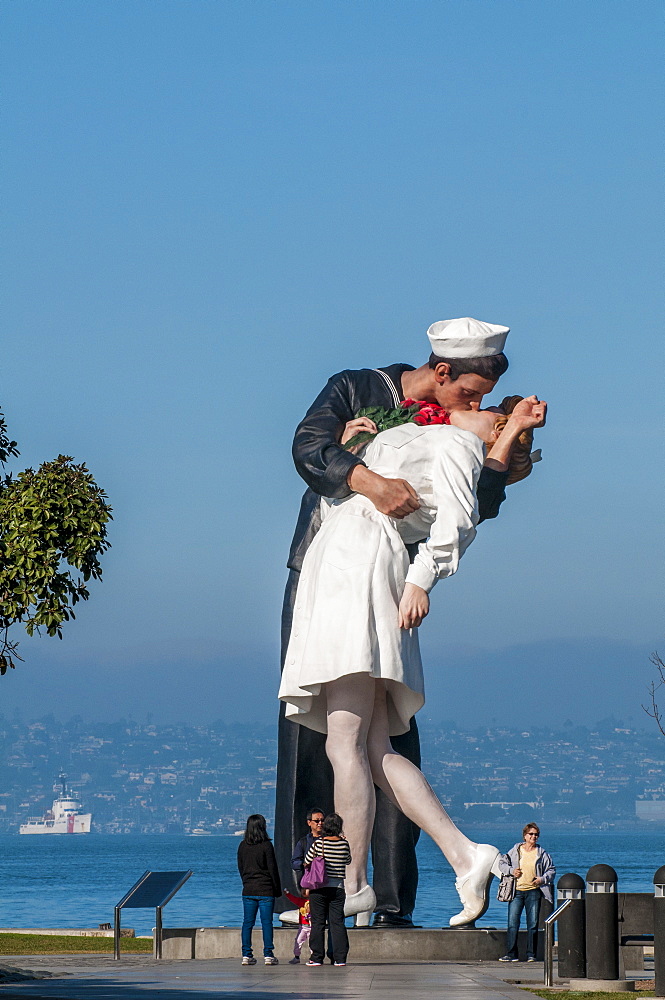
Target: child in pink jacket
(302,937)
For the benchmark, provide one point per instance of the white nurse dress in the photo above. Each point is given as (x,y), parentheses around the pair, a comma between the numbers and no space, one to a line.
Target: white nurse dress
(346,614)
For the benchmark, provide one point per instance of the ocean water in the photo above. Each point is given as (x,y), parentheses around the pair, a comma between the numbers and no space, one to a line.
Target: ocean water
(75,881)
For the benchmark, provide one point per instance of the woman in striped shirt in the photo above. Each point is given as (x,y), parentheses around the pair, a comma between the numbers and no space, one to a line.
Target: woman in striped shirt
(327,903)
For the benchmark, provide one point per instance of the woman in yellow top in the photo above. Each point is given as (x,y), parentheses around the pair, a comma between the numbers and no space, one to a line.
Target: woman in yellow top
(534,870)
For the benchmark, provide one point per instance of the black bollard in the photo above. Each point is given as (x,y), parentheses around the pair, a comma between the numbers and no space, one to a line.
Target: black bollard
(602,928)
(571,928)
(659,931)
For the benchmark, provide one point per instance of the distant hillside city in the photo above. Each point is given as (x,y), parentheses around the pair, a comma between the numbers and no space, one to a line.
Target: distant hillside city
(147,778)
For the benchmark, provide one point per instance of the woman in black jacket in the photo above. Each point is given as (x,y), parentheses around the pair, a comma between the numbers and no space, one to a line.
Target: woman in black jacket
(260,885)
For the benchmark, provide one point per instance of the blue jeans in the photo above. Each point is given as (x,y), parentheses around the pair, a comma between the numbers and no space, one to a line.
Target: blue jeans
(529,900)
(264,905)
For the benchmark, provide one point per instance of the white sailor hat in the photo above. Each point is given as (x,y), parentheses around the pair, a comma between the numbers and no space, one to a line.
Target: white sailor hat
(466,338)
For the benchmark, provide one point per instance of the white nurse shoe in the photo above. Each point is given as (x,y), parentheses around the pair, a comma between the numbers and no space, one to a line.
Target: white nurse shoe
(361,904)
(473,888)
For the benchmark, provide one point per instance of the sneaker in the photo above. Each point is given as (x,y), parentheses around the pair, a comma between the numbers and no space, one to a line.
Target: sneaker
(248,960)
(508,958)
(310,963)
(531,958)
(270,960)
(295,960)
(339,963)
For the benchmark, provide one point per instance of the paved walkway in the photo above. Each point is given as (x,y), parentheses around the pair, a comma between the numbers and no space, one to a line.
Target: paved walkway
(139,978)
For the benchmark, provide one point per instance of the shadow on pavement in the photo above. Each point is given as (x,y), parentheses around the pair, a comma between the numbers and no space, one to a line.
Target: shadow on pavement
(102,989)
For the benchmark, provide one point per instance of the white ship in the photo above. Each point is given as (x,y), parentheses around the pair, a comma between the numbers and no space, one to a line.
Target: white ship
(63,817)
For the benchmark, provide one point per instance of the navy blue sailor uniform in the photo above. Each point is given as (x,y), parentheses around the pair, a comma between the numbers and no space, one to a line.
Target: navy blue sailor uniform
(304,774)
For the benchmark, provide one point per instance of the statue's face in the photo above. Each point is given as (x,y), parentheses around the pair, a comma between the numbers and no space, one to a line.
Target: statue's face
(480,422)
(461,394)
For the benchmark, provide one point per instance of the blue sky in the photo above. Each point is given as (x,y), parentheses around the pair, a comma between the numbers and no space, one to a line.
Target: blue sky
(213,206)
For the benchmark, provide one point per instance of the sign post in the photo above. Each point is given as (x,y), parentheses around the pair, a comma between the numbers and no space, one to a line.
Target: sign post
(152,889)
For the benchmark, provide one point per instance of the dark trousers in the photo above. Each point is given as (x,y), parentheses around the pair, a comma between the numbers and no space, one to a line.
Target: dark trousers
(328,904)
(528,900)
(305,781)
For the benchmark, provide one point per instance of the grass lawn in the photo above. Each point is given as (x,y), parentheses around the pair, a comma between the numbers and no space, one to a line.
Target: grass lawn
(57,944)
(586,995)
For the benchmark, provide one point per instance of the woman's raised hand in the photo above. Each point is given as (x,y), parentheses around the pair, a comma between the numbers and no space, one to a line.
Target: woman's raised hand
(354,427)
(530,412)
(413,607)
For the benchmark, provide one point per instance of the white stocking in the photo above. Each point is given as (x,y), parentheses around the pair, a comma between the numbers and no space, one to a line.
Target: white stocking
(350,706)
(406,786)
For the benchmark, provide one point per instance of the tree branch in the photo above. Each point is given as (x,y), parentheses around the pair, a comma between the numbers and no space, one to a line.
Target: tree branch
(652,710)
(8,652)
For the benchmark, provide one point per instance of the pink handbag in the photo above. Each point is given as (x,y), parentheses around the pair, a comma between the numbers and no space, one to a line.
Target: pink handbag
(315,874)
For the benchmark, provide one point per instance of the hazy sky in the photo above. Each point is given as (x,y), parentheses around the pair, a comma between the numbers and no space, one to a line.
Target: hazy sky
(213,206)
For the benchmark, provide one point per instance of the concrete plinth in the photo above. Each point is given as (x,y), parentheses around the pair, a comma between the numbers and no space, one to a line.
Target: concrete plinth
(602,985)
(380,944)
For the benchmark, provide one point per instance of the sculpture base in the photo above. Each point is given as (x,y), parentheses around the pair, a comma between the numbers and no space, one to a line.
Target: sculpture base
(366,944)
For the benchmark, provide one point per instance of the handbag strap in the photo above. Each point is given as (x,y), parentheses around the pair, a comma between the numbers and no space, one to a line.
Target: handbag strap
(315,845)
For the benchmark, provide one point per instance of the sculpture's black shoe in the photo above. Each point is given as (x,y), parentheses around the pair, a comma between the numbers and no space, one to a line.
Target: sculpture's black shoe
(392,920)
